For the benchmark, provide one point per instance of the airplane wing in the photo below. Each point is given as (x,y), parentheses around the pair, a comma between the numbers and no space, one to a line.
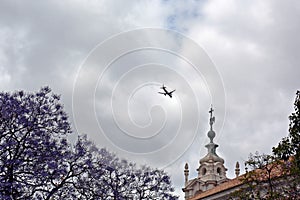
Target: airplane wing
(162,93)
(172,91)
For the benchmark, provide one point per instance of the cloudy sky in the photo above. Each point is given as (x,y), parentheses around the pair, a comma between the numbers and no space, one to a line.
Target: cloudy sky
(108,59)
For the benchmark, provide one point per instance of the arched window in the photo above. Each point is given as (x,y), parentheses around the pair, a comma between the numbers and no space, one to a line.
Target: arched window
(203,171)
(219,171)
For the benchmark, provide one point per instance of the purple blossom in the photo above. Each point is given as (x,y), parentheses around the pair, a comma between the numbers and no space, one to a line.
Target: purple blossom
(34,150)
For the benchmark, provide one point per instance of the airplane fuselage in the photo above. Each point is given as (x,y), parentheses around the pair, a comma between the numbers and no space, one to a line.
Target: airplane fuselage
(166,92)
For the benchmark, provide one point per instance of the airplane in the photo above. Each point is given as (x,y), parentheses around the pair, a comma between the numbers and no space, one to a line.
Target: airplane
(166,92)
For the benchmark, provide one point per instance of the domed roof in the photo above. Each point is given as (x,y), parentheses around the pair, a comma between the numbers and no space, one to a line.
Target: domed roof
(211,154)
(211,157)
(211,147)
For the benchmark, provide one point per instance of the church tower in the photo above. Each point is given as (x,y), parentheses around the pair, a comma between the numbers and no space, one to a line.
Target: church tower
(211,171)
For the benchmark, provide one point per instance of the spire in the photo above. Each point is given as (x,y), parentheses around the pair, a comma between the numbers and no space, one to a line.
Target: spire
(237,169)
(211,171)
(211,146)
(211,134)
(186,173)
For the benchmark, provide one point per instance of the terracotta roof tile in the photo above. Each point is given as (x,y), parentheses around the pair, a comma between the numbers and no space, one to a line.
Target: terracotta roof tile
(219,188)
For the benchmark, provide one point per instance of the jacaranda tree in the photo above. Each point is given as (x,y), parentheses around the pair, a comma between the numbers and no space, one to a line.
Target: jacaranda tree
(33,130)
(108,177)
(38,162)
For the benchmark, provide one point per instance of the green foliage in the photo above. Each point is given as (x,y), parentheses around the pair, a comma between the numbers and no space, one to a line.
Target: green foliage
(275,176)
(290,145)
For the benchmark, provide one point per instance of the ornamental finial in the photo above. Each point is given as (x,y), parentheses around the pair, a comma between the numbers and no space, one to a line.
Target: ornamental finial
(212,118)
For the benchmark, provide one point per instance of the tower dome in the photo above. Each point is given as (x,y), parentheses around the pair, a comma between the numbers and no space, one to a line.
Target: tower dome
(211,169)
(211,146)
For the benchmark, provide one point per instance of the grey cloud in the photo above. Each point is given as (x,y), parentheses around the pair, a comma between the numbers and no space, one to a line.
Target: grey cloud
(254,45)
